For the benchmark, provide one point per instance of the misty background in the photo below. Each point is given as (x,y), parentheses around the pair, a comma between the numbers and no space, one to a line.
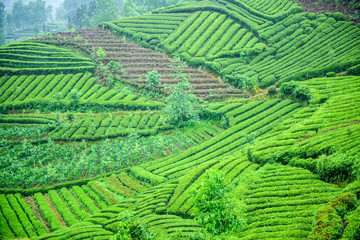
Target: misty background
(23,19)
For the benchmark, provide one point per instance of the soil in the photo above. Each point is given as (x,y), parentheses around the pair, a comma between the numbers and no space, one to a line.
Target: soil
(62,223)
(351,14)
(37,213)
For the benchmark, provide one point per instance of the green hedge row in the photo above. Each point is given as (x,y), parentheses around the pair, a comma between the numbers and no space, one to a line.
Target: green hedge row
(131,183)
(232,14)
(146,176)
(329,223)
(276,17)
(12,218)
(108,197)
(219,38)
(223,143)
(62,208)
(84,199)
(40,228)
(46,212)
(136,36)
(98,199)
(44,104)
(45,71)
(176,34)
(74,205)
(187,35)
(208,32)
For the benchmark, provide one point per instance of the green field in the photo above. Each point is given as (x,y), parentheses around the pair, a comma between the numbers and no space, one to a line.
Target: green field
(86,141)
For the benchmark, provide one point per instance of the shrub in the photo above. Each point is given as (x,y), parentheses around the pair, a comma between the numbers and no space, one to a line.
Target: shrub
(114,66)
(181,105)
(302,93)
(330,74)
(153,78)
(295,91)
(272,90)
(337,167)
(213,209)
(267,81)
(101,54)
(354,70)
(129,229)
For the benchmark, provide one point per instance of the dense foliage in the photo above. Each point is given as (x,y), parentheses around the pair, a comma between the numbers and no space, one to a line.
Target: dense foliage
(213,209)
(94,145)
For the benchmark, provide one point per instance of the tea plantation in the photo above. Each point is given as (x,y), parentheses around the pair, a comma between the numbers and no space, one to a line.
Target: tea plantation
(89,148)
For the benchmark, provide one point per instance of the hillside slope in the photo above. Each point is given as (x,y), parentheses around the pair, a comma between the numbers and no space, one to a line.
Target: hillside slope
(248,41)
(77,156)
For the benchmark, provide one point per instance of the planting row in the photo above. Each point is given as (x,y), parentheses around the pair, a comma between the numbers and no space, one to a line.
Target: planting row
(331,121)
(249,125)
(63,207)
(300,50)
(218,34)
(28,165)
(153,24)
(64,92)
(281,202)
(110,127)
(300,45)
(36,58)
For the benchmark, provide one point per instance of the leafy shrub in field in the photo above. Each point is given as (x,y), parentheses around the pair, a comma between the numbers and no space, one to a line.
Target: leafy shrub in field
(213,209)
(181,105)
(128,229)
(329,223)
(354,70)
(267,81)
(101,54)
(330,74)
(272,90)
(114,66)
(295,91)
(153,78)
(337,167)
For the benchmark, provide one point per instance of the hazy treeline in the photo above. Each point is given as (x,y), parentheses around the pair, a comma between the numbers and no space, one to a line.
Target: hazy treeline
(35,16)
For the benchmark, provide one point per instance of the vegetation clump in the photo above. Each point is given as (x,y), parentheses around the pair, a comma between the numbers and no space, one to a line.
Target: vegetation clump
(213,208)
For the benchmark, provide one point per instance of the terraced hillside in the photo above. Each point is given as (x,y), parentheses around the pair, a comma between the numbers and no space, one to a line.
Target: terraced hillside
(66,92)
(136,62)
(87,155)
(258,42)
(36,58)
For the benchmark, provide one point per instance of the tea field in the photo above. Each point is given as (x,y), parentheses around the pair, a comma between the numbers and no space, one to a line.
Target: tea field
(89,150)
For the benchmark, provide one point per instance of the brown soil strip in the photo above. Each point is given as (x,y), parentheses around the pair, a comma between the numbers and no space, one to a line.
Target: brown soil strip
(76,199)
(61,221)
(37,213)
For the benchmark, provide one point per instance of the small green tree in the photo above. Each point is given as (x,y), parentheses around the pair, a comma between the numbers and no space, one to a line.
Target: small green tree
(101,54)
(272,91)
(213,209)
(74,95)
(153,78)
(129,9)
(295,91)
(180,104)
(114,66)
(128,229)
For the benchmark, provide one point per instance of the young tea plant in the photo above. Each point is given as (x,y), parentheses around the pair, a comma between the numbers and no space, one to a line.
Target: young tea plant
(101,54)
(153,78)
(213,207)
